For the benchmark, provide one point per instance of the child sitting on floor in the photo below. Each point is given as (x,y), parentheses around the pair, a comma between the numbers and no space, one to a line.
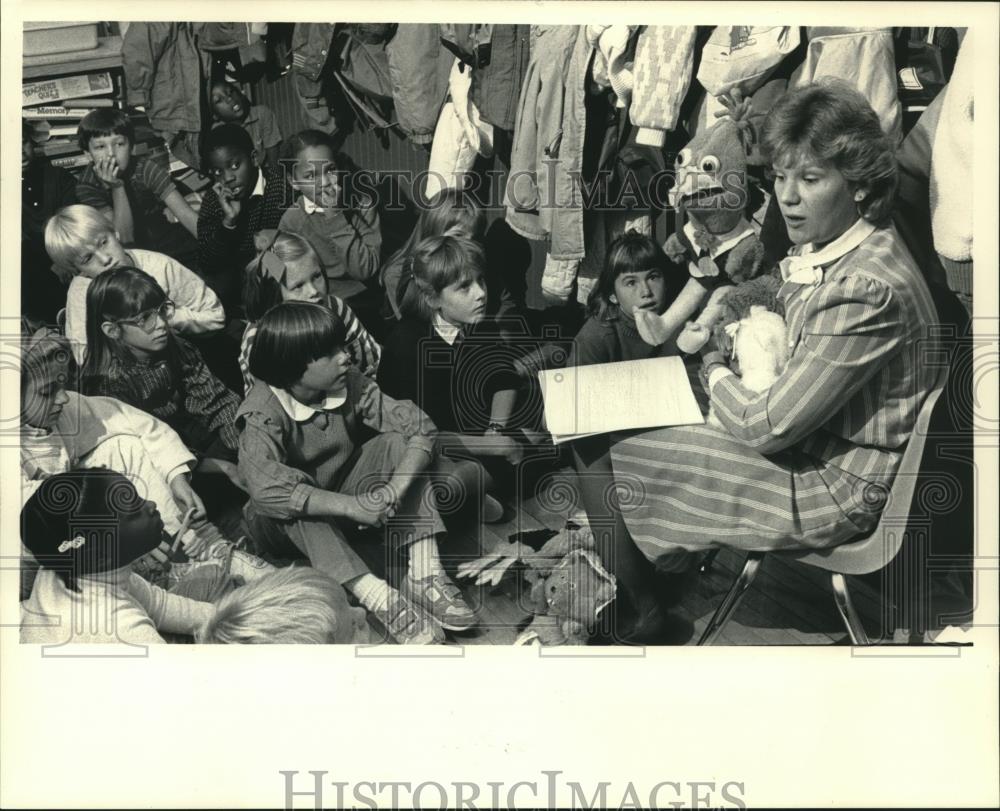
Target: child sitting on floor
(245,198)
(134,355)
(450,358)
(231,106)
(347,238)
(637,276)
(62,430)
(451,211)
(86,528)
(310,463)
(133,193)
(292,606)
(82,245)
(289,270)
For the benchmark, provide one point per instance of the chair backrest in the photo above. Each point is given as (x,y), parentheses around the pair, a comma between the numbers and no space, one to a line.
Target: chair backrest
(875,551)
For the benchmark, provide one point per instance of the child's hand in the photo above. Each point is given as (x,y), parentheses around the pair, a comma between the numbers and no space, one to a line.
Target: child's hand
(365,517)
(230,206)
(186,498)
(107,172)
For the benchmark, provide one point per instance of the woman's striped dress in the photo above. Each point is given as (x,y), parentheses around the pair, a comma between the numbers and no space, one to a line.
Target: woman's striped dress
(808,462)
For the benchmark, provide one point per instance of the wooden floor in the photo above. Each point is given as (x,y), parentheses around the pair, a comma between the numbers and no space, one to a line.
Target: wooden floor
(788,604)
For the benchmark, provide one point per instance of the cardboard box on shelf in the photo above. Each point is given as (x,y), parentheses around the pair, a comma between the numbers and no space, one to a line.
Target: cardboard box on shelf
(65,87)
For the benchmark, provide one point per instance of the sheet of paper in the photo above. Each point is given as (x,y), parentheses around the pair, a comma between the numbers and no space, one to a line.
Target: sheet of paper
(587,400)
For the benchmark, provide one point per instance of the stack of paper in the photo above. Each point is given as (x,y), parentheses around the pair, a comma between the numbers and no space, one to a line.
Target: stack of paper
(586,400)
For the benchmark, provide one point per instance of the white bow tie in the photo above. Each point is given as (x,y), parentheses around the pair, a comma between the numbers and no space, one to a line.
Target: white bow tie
(801,270)
(807,267)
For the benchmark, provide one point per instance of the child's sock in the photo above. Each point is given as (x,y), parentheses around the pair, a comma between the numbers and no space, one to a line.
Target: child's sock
(424,560)
(372,592)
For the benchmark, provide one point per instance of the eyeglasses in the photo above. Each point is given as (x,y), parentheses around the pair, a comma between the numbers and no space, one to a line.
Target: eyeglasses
(146,320)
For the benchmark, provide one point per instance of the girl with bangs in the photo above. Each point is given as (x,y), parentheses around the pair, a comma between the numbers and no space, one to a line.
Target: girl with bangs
(449,357)
(134,355)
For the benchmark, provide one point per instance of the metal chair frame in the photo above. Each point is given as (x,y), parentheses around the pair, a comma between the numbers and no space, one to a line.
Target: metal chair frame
(864,555)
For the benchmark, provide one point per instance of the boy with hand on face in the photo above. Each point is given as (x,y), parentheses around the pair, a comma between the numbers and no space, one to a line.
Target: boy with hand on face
(135,194)
(245,198)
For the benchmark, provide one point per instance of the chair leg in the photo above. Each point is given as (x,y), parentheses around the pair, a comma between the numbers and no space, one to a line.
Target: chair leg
(848,613)
(708,560)
(732,598)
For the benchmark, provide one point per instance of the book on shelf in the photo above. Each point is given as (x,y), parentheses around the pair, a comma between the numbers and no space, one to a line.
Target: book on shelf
(71,161)
(58,147)
(45,131)
(73,104)
(66,87)
(57,111)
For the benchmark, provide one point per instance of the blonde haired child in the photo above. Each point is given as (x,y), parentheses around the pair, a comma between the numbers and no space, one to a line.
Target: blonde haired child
(288,269)
(83,244)
(291,606)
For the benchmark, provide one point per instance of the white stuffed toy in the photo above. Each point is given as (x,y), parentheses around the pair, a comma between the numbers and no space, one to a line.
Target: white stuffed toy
(760,346)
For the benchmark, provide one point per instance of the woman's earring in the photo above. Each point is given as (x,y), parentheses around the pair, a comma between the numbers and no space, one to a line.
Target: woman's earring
(859,196)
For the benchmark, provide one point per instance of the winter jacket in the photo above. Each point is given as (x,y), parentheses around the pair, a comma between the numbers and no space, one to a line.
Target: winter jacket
(472,43)
(164,72)
(418,70)
(863,56)
(310,49)
(496,86)
(543,198)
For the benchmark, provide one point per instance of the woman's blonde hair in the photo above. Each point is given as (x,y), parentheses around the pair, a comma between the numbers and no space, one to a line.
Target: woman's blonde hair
(833,122)
(68,231)
(290,606)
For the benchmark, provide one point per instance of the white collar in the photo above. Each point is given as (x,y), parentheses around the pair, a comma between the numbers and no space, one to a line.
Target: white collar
(300,412)
(726,241)
(258,190)
(806,267)
(310,207)
(448,331)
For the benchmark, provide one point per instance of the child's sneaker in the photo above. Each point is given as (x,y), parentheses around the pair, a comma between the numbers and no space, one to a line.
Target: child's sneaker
(442,599)
(407,623)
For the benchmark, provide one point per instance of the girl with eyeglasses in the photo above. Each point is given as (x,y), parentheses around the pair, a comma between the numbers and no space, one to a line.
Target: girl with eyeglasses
(134,355)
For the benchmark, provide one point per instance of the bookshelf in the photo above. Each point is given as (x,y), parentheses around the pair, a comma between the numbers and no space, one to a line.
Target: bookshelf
(106,56)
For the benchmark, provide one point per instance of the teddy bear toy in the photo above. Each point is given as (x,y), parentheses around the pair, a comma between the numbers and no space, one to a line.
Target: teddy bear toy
(569,585)
(713,237)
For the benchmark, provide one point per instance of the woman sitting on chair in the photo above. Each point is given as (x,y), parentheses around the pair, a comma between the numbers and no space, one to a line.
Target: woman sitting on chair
(809,462)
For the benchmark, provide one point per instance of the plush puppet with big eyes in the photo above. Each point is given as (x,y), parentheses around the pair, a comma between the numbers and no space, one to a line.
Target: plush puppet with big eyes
(713,236)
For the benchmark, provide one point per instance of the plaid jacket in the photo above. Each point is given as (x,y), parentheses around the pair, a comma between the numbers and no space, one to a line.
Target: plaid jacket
(191,400)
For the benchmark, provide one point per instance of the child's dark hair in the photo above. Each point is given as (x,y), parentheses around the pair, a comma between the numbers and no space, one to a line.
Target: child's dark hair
(83,505)
(102,122)
(116,294)
(225,136)
(305,139)
(289,337)
(630,252)
(261,291)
